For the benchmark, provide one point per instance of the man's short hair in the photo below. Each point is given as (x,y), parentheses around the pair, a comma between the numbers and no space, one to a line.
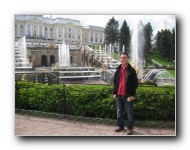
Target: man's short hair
(124,54)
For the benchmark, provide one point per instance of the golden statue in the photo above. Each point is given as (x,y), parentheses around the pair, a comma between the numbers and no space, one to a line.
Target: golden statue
(137,70)
(108,61)
(135,67)
(80,45)
(102,65)
(143,74)
(56,66)
(144,63)
(51,45)
(24,77)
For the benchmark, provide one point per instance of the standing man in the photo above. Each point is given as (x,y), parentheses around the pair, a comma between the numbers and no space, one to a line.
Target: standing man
(125,85)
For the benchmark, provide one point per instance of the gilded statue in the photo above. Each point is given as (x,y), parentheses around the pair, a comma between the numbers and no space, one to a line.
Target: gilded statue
(24,77)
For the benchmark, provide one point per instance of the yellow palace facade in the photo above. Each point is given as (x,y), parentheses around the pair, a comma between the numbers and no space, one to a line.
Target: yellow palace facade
(38,28)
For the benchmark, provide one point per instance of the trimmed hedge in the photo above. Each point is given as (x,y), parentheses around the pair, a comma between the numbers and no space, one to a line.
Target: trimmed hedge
(151,103)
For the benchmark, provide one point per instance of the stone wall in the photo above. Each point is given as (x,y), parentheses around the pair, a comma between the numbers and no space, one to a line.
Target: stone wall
(38,54)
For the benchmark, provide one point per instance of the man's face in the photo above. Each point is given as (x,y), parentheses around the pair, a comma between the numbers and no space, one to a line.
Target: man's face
(124,59)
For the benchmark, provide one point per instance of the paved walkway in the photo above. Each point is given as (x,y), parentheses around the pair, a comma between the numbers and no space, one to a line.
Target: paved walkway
(36,126)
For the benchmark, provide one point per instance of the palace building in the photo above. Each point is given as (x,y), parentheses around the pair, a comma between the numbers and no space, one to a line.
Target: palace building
(57,29)
(44,34)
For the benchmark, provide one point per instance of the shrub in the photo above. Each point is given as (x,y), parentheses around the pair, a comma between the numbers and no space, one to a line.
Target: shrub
(151,103)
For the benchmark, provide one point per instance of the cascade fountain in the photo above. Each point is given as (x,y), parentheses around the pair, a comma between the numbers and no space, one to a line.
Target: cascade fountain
(64,55)
(156,76)
(137,49)
(105,57)
(73,74)
(21,55)
(159,77)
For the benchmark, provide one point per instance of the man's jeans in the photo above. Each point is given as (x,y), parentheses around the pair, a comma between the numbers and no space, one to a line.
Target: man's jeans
(122,103)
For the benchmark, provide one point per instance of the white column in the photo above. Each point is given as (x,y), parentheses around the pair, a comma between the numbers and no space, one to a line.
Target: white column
(38,29)
(63,38)
(43,31)
(30,29)
(89,37)
(103,35)
(57,33)
(81,36)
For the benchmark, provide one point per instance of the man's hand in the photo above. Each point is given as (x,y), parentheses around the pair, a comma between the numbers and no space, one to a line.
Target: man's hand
(114,96)
(131,98)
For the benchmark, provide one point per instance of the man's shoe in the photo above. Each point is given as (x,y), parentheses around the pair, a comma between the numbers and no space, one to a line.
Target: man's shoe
(129,132)
(119,129)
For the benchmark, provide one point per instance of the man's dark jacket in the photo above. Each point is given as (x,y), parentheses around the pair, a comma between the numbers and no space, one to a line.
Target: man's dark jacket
(131,80)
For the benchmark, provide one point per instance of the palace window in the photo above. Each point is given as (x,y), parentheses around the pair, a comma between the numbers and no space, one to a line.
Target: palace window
(40,35)
(28,32)
(51,35)
(59,35)
(73,36)
(34,33)
(46,35)
(65,35)
(16,29)
(21,33)
(40,27)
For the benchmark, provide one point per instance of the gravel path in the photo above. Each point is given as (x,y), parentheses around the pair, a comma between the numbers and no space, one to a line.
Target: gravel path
(36,126)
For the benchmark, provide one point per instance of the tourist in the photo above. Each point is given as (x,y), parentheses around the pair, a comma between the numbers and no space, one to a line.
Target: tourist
(125,85)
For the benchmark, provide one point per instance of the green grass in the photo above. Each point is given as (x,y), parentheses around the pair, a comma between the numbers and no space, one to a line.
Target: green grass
(172,72)
(156,57)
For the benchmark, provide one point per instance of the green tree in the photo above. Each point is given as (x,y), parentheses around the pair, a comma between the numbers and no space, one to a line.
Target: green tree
(165,44)
(157,41)
(148,38)
(125,37)
(111,31)
(173,44)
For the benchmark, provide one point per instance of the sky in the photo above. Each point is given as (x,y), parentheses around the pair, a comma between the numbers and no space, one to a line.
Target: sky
(157,21)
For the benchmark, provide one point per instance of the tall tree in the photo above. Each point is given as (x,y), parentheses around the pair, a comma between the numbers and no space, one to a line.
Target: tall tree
(125,37)
(173,44)
(148,38)
(165,44)
(111,31)
(157,41)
